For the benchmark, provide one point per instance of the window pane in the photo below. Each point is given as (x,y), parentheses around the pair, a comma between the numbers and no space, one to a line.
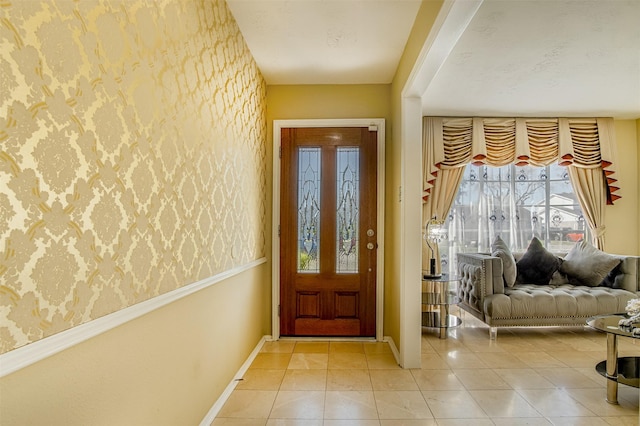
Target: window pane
(348,210)
(516,203)
(308,209)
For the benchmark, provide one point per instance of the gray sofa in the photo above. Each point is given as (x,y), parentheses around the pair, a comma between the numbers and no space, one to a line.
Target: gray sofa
(482,293)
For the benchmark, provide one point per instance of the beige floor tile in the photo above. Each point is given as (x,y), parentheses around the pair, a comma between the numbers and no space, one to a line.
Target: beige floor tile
(304,380)
(425,346)
(591,373)
(433,361)
(376,347)
(308,361)
(377,361)
(347,360)
(448,345)
(397,379)
(501,360)
(568,378)
(577,421)
(512,344)
(484,345)
(261,379)
(577,359)
(453,405)
(351,423)
(621,421)
(298,405)
(311,347)
(294,422)
(524,421)
(252,404)
(350,405)
(537,359)
(239,422)
(347,347)
(348,380)
(504,403)
(402,405)
(437,380)
(555,403)
(595,400)
(458,359)
(524,378)
(473,379)
(272,361)
(583,345)
(464,422)
(280,346)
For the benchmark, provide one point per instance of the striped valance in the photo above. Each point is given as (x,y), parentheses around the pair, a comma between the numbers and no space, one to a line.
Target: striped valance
(581,142)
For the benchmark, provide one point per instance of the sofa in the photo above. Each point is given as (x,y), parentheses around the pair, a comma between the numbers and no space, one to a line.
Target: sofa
(563,297)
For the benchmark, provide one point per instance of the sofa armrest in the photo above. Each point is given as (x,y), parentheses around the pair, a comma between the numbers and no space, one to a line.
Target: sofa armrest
(480,276)
(630,267)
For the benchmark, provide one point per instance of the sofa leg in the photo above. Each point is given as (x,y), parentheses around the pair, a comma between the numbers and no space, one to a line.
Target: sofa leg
(493,333)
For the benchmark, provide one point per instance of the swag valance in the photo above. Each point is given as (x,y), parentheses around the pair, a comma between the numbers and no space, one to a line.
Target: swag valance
(580,142)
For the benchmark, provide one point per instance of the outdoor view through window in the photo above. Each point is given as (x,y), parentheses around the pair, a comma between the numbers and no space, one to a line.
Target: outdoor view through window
(517,203)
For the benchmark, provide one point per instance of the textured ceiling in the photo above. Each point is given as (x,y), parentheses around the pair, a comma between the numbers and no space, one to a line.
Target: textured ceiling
(490,58)
(326,41)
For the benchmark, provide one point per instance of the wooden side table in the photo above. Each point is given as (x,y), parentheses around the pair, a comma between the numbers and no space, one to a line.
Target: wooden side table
(438,294)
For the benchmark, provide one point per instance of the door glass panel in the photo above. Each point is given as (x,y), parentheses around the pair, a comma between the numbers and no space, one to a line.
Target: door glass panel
(348,209)
(308,209)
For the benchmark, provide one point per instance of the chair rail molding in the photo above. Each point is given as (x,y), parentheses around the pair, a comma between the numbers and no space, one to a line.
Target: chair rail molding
(24,356)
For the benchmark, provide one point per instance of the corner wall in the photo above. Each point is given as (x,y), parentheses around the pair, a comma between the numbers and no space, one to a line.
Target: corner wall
(623,218)
(396,168)
(132,164)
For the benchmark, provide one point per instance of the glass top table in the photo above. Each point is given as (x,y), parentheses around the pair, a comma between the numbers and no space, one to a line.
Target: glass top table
(617,370)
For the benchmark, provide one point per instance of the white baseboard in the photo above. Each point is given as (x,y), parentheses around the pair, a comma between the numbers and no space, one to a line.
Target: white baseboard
(215,408)
(30,354)
(393,347)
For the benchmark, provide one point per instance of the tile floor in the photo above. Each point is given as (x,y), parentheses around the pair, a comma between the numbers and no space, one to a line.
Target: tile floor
(529,376)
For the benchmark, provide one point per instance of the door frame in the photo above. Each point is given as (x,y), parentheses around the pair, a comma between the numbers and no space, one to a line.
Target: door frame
(278,125)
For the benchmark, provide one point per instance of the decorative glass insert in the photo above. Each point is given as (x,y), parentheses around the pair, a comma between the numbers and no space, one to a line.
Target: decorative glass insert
(308,209)
(348,209)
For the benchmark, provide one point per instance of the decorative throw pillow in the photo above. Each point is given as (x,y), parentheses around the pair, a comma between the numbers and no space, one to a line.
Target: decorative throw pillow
(588,264)
(537,265)
(614,278)
(500,249)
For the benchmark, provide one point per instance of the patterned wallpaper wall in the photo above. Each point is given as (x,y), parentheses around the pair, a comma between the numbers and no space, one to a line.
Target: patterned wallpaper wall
(132,156)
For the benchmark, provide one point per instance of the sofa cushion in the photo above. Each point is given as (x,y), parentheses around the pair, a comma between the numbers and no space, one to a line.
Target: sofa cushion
(588,264)
(537,265)
(500,249)
(534,304)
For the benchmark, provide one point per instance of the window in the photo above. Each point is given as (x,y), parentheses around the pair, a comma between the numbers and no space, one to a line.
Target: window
(517,203)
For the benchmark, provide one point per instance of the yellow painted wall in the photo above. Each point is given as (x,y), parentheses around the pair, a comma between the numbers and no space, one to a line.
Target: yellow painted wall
(132,163)
(424,22)
(623,218)
(165,368)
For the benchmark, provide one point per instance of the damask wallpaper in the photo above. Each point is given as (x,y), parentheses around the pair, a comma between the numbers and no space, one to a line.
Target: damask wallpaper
(132,156)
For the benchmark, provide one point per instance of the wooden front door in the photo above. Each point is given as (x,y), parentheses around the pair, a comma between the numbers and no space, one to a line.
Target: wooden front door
(328,236)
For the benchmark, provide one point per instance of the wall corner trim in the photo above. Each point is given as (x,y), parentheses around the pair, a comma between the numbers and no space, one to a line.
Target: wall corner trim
(24,356)
(394,348)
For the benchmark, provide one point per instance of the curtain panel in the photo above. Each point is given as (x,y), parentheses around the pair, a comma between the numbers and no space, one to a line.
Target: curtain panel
(585,145)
